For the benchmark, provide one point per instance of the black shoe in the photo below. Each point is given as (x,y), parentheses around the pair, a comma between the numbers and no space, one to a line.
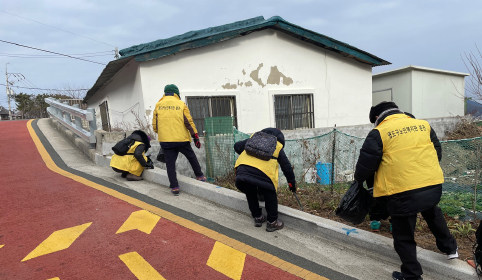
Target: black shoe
(398,276)
(258,222)
(276,225)
(124,174)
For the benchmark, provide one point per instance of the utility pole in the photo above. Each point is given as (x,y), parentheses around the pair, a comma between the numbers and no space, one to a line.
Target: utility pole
(116,53)
(10,92)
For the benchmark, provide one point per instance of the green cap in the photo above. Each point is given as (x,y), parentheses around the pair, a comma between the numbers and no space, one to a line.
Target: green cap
(172,88)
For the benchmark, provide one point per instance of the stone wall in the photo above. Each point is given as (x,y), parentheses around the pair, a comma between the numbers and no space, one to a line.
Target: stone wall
(440,125)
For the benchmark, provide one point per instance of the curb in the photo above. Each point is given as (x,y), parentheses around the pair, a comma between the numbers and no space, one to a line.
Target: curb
(432,262)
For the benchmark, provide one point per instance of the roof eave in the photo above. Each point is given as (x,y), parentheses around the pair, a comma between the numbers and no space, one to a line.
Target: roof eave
(275,23)
(107,74)
(414,67)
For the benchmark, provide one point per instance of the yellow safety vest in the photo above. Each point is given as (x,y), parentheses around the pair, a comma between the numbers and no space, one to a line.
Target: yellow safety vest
(168,120)
(268,167)
(409,158)
(128,162)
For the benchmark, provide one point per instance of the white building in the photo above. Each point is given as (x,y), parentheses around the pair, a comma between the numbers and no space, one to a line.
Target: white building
(262,72)
(424,92)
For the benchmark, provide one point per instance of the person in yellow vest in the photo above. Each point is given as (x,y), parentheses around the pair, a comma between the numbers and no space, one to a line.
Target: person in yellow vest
(255,175)
(403,154)
(133,163)
(174,126)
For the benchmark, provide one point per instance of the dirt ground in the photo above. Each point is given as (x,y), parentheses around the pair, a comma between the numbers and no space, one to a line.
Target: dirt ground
(322,204)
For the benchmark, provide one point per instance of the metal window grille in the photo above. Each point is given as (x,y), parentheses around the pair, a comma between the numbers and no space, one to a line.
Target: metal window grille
(294,111)
(104,115)
(206,106)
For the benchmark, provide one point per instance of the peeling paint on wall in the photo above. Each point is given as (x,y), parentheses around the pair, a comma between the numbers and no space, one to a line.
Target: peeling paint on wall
(248,84)
(244,72)
(240,84)
(230,86)
(275,76)
(148,112)
(254,75)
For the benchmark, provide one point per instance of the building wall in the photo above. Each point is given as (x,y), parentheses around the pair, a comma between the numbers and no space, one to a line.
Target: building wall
(437,95)
(256,67)
(123,95)
(400,85)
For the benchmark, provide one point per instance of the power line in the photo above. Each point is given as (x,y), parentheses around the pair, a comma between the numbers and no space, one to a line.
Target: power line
(53,89)
(52,56)
(51,52)
(57,28)
(104,52)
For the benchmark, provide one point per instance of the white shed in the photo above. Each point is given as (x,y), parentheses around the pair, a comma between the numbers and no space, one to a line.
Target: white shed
(424,92)
(265,73)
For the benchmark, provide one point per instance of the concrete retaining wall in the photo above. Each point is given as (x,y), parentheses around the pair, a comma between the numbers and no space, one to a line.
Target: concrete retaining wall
(440,125)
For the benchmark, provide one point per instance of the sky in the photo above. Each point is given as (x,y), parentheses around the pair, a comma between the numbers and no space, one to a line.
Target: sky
(429,33)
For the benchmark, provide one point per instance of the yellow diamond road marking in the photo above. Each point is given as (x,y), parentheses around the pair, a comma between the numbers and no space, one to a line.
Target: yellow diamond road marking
(57,241)
(55,278)
(227,260)
(141,220)
(1,246)
(140,267)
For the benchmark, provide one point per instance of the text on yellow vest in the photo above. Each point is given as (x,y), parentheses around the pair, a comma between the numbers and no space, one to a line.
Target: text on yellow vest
(128,162)
(409,158)
(170,112)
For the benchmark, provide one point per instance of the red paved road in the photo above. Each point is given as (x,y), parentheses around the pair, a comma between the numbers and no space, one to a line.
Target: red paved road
(34,202)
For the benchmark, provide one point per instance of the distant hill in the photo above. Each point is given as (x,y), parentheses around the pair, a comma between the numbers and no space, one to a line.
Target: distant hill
(474,108)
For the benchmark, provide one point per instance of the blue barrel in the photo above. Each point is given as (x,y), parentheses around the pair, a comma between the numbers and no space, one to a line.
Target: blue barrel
(323,170)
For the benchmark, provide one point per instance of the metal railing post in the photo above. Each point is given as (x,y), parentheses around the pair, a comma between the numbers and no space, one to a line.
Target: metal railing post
(92,127)
(78,121)
(67,117)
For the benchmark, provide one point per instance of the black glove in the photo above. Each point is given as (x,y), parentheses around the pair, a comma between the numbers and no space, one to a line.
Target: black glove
(292,186)
(195,137)
(149,164)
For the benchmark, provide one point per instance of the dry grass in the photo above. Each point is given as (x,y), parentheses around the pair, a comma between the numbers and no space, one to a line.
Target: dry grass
(465,129)
(140,123)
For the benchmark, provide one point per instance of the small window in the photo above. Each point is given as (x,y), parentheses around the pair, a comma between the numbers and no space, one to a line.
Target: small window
(294,111)
(104,116)
(206,106)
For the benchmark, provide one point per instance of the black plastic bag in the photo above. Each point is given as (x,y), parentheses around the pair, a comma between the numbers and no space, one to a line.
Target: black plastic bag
(160,155)
(355,204)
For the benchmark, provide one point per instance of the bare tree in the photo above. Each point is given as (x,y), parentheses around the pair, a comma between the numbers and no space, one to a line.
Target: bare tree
(71,90)
(473,83)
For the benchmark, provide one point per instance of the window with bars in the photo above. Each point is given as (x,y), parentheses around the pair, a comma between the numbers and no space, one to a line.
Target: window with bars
(202,107)
(294,111)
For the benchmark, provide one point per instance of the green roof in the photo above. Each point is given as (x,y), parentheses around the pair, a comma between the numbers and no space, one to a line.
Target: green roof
(212,35)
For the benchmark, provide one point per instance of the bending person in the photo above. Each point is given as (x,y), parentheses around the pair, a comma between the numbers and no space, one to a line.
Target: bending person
(133,163)
(255,174)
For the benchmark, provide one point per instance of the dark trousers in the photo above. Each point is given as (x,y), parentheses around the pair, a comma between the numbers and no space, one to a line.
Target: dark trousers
(405,245)
(270,200)
(124,173)
(171,154)
(379,211)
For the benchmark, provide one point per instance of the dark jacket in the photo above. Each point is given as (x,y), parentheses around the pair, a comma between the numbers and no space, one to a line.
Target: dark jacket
(405,203)
(256,177)
(140,136)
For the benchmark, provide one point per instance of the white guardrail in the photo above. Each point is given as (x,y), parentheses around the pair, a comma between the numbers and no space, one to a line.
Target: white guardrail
(63,112)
